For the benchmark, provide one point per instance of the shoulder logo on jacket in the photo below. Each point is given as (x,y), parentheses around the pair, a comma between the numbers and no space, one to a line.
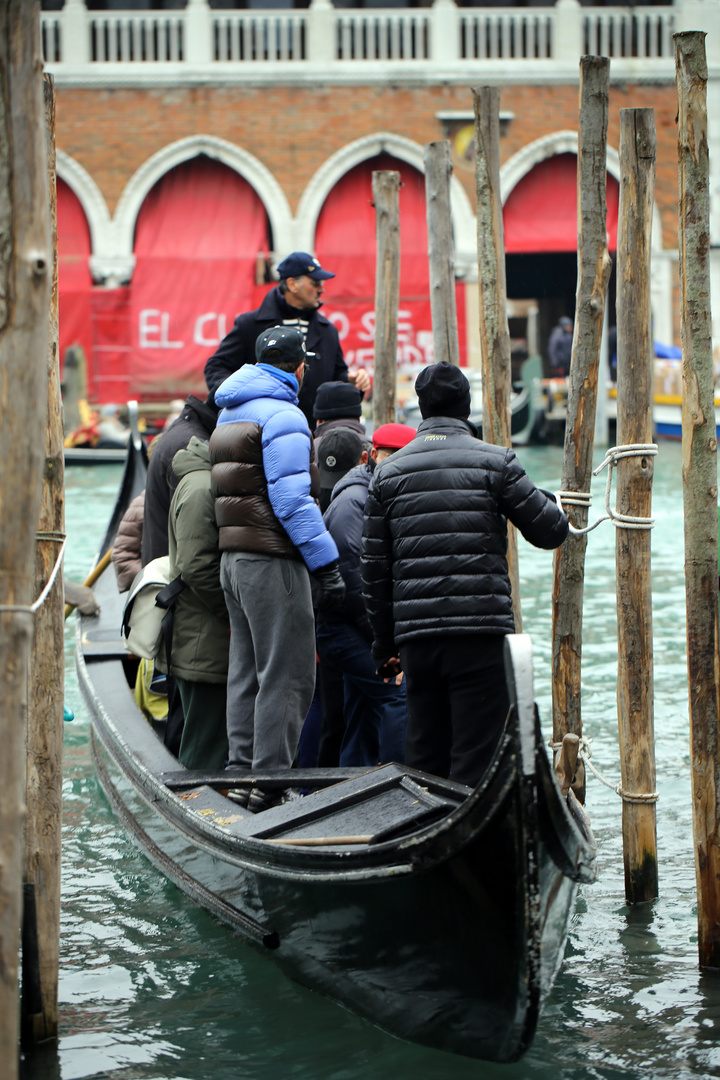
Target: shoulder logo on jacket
(435,438)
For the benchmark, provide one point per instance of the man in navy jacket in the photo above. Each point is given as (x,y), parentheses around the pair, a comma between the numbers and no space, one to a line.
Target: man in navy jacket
(295,301)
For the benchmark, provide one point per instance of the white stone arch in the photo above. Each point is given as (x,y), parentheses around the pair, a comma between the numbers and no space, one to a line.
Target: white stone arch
(246,165)
(91,199)
(328,175)
(566,142)
(561,142)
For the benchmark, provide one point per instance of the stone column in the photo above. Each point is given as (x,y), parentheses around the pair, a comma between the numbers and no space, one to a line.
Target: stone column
(320,42)
(75,34)
(445,32)
(567,32)
(198,38)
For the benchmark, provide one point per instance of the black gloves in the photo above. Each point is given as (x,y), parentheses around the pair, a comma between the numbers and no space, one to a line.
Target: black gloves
(331,595)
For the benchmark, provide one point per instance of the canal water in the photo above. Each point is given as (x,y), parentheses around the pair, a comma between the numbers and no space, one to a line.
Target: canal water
(152,988)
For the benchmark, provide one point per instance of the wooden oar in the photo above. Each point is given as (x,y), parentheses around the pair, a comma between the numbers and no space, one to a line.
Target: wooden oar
(92,577)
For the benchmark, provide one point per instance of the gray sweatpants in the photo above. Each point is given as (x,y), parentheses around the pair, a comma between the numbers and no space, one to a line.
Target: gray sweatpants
(271,674)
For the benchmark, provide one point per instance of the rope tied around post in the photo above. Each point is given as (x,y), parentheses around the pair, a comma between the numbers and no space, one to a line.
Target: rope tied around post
(30,609)
(584,498)
(585,754)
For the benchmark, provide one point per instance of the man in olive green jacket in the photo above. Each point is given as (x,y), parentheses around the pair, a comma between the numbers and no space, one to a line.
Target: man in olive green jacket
(201,628)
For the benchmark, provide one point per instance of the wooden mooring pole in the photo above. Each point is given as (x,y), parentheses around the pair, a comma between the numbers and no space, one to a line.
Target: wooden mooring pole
(634,499)
(494,331)
(438,170)
(386,198)
(594,267)
(25,279)
(41,869)
(699,456)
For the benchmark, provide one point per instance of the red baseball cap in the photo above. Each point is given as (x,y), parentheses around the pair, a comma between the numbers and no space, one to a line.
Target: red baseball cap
(392,436)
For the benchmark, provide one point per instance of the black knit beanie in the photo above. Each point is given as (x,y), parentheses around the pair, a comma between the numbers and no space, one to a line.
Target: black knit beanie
(337,401)
(443,390)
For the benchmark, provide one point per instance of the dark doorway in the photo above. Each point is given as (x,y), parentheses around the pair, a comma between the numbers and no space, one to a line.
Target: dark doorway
(551,279)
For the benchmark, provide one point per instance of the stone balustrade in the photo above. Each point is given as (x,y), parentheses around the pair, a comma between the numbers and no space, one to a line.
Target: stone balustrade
(437,42)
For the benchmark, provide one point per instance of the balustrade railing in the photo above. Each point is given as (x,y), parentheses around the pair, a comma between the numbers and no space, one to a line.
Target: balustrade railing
(645,33)
(119,37)
(383,35)
(322,35)
(512,34)
(257,36)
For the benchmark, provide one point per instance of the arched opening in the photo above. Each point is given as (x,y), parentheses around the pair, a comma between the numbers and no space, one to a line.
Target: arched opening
(74,278)
(540,225)
(345,244)
(201,240)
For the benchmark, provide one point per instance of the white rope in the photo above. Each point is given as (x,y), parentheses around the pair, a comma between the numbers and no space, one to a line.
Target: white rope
(584,498)
(30,609)
(585,753)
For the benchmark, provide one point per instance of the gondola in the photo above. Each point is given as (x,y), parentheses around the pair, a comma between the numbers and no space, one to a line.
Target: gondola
(436,911)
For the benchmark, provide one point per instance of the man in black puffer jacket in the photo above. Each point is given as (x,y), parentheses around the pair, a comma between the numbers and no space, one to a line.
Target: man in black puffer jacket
(435,576)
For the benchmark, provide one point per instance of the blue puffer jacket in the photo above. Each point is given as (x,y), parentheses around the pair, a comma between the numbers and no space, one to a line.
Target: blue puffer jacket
(260,452)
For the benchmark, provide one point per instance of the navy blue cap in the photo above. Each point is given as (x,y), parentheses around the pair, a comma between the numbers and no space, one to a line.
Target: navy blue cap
(280,343)
(299,263)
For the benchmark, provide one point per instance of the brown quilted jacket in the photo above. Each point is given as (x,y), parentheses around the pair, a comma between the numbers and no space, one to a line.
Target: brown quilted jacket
(245,518)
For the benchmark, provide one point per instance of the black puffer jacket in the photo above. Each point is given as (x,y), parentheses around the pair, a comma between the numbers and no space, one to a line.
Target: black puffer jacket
(435,535)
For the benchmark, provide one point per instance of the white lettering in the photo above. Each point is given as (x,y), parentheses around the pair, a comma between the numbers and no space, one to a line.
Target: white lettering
(368,327)
(341,321)
(148,327)
(221,328)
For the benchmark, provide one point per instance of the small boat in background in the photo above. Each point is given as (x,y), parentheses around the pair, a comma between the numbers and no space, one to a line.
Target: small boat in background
(436,911)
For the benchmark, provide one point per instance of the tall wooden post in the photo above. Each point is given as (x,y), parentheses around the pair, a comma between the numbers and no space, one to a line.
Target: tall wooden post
(25,277)
(699,453)
(386,198)
(494,332)
(41,870)
(438,170)
(594,266)
(634,486)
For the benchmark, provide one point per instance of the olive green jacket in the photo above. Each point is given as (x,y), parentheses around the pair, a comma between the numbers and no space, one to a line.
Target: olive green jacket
(201,630)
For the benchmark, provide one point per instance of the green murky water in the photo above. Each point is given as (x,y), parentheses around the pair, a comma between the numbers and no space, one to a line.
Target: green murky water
(152,988)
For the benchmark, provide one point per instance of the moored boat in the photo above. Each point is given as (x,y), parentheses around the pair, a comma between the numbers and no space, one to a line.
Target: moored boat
(436,911)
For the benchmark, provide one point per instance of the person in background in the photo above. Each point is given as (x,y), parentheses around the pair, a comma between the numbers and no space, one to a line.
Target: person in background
(338,452)
(435,576)
(560,348)
(295,301)
(127,547)
(201,627)
(272,538)
(337,405)
(196,418)
(375,712)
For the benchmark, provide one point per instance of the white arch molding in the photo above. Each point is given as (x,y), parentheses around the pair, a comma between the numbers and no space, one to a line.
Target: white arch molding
(240,161)
(92,201)
(566,142)
(340,163)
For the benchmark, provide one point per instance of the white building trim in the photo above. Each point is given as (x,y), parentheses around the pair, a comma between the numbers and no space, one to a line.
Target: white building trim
(243,163)
(93,203)
(332,170)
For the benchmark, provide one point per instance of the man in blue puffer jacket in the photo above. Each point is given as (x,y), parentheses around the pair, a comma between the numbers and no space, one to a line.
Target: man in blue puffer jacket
(272,536)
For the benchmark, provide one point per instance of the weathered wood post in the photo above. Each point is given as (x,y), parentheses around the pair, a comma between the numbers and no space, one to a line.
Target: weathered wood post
(699,453)
(438,170)
(594,267)
(494,332)
(41,870)
(634,499)
(386,198)
(25,277)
